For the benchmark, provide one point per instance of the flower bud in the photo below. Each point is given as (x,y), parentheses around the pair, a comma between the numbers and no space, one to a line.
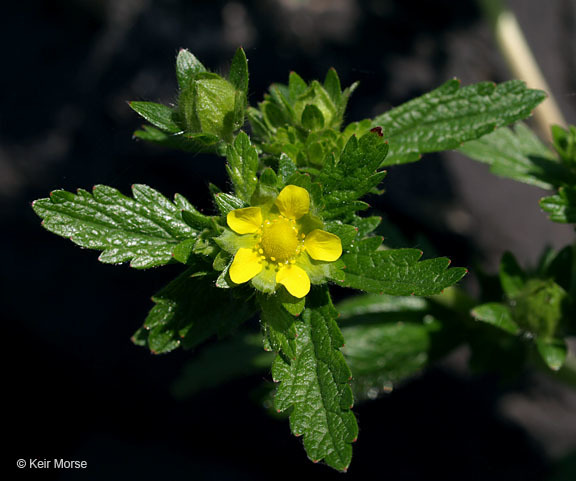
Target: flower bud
(538,307)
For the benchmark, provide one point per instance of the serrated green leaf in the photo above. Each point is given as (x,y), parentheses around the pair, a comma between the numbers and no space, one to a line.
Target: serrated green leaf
(366,225)
(346,233)
(278,326)
(187,66)
(512,277)
(191,309)
(286,168)
(242,166)
(314,386)
(498,315)
(161,339)
(354,175)
(157,114)
(387,340)
(553,352)
(353,308)
(385,353)
(562,206)
(397,272)
(449,115)
(140,337)
(518,154)
(143,230)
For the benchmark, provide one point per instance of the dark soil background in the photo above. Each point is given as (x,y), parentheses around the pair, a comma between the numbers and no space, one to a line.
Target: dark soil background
(77,387)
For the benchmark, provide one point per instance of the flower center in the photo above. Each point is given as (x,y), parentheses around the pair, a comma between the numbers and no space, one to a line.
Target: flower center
(279,239)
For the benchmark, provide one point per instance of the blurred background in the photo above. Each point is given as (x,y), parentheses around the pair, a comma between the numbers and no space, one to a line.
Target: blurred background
(79,389)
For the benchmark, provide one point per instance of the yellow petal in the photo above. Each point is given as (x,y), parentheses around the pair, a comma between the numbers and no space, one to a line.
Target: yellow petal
(245,221)
(294,279)
(245,266)
(323,246)
(293,202)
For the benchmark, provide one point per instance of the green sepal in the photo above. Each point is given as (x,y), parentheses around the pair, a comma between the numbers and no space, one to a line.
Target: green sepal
(553,352)
(157,114)
(221,261)
(186,142)
(184,251)
(238,75)
(312,118)
(498,315)
(332,85)
(538,307)
(196,219)
(205,245)
(187,66)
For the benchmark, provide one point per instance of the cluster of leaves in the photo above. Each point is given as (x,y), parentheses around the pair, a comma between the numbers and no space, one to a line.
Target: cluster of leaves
(298,139)
(535,306)
(538,306)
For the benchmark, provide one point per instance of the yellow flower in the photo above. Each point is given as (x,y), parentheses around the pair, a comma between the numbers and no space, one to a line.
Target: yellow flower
(281,244)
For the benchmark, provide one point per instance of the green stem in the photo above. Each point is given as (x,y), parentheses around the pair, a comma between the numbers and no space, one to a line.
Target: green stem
(520,59)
